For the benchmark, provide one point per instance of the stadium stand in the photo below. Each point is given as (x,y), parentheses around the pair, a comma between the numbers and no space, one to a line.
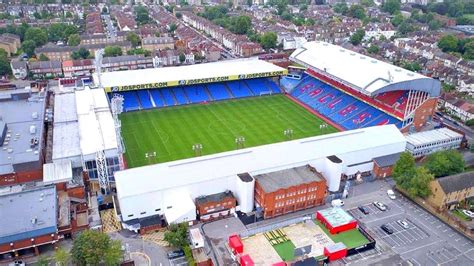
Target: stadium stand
(341,108)
(171,96)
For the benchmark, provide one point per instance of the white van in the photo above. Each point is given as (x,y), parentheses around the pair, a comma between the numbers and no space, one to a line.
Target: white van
(337,203)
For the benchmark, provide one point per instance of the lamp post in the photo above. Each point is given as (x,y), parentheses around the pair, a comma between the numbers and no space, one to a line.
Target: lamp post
(150,156)
(322,127)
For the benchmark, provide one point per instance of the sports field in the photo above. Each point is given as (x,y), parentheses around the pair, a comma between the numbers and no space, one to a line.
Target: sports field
(172,132)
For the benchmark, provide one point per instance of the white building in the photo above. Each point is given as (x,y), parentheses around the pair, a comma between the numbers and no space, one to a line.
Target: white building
(168,189)
(83,126)
(427,142)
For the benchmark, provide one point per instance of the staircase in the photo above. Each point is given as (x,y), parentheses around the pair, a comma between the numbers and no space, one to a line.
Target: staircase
(151,99)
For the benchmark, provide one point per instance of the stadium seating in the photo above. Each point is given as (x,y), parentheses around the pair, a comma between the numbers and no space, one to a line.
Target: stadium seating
(144,99)
(218,91)
(341,108)
(196,93)
(239,89)
(156,98)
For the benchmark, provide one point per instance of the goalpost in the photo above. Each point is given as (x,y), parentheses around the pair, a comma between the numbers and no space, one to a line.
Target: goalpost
(266,93)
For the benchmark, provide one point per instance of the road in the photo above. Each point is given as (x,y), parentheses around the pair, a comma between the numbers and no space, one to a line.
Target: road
(110,28)
(458,125)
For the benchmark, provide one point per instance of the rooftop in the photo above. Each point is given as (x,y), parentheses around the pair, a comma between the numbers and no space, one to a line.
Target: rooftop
(24,124)
(214,197)
(336,216)
(189,74)
(457,182)
(283,179)
(431,136)
(387,160)
(366,74)
(28,214)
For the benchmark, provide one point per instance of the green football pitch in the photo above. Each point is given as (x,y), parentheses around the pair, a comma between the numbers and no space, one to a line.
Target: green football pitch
(171,132)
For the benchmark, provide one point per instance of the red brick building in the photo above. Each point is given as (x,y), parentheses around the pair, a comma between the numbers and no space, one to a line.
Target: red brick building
(289,190)
(383,166)
(214,206)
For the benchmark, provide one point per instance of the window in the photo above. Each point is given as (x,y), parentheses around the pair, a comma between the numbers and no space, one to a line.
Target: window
(130,215)
(143,213)
(169,207)
(157,210)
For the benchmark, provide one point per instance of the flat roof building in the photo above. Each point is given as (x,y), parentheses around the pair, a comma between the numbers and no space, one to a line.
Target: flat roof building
(423,143)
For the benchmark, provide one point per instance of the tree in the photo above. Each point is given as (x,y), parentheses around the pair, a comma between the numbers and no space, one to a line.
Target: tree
(357,37)
(176,236)
(74,40)
(469,50)
(5,68)
(179,15)
(61,256)
(28,47)
(391,6)
(114,253)
(405,27)
(448,43)
(42,261)
(286,15)
(341,8)
(141,15)
(240,24)
(138,51)
(37,35)
(93,247)
(172,27)
(470,123)
(133,38)
(112,51)
(356,11)
(105,10)
(434,24)
(404,170)
(182,58)
(444,163)
(373,49)
(43,57)
(367,3)
(419,185)
(268,40)
(82,53)
(397,20)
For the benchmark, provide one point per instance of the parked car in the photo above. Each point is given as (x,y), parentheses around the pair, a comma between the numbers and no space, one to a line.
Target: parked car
(337,203)
(391,194)
(468,213)
(387,229)
(364,210)
(403,224)
(175,254)
(380,205)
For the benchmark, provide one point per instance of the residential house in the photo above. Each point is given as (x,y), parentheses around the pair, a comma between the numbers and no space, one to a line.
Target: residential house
(10,43)
(457,107)
(72,68)
(62,53)
(19,69)
(449,191)
(157,43)
(46,69)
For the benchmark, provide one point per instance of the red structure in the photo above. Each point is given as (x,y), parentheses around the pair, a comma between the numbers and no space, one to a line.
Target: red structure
(336,220)
(246,260)
(335,251)
(279,264)
(236,244)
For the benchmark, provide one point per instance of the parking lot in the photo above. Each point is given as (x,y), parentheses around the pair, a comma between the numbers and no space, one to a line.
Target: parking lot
(181,261)
(426,241)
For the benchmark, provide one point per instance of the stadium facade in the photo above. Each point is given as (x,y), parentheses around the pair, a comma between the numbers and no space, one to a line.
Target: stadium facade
(167,191)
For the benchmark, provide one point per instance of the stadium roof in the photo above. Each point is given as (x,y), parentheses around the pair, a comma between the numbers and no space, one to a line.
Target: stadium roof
(365,74)
(378,141)
(431,136)
(187,75)
(28,214)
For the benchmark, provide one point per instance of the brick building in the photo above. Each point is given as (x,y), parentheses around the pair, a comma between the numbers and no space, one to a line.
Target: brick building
(383,166)
(290,190)
(214,206)
(449,191)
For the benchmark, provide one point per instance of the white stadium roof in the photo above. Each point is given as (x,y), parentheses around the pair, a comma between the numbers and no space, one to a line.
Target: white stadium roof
(366,74)
(377,141)
(199,73)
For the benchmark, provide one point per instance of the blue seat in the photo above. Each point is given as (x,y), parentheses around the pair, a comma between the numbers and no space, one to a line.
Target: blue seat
(168,97)
(257,86)
(145,99)
(157,98)
(239,89)
(130,100)
(218,91)
(196,93)
(273,86)
(180,96)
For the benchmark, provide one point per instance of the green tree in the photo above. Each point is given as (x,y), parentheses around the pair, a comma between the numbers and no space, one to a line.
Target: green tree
(356,11)
(172,27)
(444,163)
(112,51)
(5,68)
(434,24)
(419,185)
(391,6)
(74,40)
(42,261)
(405,27)
(268,40)
(141,15)
(286,15)
(37,35)
(138,51)
(179,15)
(93,247)
(28,47)
(367,3)
(470,123)
(61,256)
(21,30)
(182,58)
(404,170)
(113,254)
(469,50)
(397,20)
(133,38)
(240,24)
(82,53)
(176,236)
(43,57)
(357,37)
(448,43)
(341,8)
(373,49)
